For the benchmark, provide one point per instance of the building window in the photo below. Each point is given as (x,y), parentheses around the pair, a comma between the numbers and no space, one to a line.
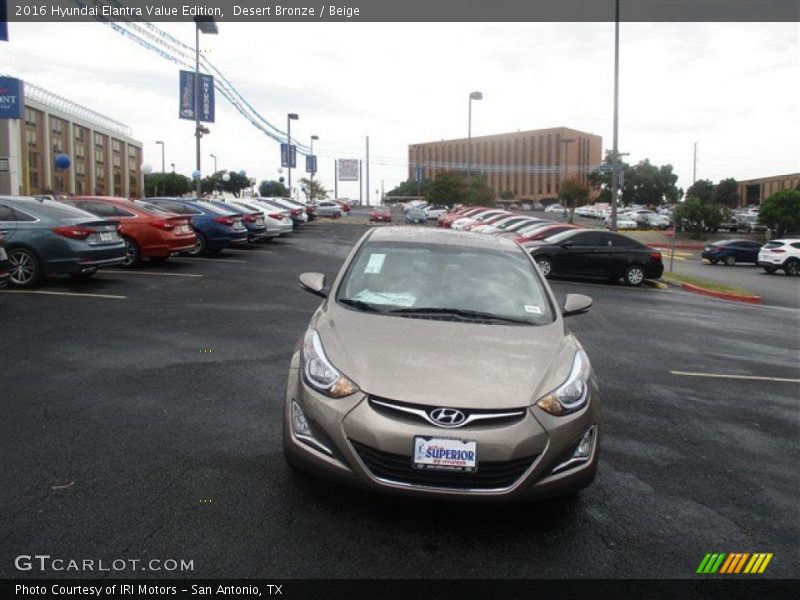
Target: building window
(56,125)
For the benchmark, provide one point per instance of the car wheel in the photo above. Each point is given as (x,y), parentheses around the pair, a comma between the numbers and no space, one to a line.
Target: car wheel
(730,261)
(133,256)
(770,270)
(634,275)
(545,266)
(199,245)
(25,268)
(792,267)
(713,261)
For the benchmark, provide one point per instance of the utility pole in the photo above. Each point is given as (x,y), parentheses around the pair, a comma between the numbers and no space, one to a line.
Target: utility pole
(615,151)
(163,163)
(197,133)
(694,165)
(360,190)
(289,118)
(472,96)
(336,178)
(368,202)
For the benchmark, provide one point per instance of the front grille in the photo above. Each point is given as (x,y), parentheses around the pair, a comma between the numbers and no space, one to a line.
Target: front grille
(421,413)
(398,468)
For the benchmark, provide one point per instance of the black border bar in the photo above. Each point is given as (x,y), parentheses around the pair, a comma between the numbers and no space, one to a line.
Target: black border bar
(407,11)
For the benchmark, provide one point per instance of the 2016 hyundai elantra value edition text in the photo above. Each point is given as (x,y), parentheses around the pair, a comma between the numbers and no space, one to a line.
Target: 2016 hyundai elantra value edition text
(439,364)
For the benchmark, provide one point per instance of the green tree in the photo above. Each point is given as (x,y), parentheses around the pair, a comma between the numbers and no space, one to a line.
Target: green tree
(312,190)
(451,188)
(237,181)
(781,212)
(702,189)
(696,216)
(478,192)
(409,187)
(506,195)
(643,183)
(725,193)
(166,184)
(573,194)
(273,189)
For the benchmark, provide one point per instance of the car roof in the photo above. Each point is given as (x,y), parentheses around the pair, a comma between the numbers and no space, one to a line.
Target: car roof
(441,236)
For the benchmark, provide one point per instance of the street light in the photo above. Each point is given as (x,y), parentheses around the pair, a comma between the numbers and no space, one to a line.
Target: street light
(214,156)
(472,96)
(615,151)
(209,27)
(313,137)
(163,165)
(289,118)
(173,166)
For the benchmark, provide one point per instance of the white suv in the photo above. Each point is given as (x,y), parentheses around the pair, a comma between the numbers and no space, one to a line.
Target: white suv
(781,254)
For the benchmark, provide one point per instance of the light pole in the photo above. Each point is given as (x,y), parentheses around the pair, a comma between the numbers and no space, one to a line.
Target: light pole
(173,166)
(209,27)
(289,118)
(313,137)
(163,164)
(215,161)
(472,96)
(615,151)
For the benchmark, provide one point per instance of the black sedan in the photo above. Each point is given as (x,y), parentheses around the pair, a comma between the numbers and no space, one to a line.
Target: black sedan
(729,252)
(596,255)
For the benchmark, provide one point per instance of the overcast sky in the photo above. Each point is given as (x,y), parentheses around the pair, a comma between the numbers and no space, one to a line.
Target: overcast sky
(733,88)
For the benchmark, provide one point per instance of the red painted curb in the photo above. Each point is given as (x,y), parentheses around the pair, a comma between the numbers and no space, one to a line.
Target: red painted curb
(723,295)
(679,246)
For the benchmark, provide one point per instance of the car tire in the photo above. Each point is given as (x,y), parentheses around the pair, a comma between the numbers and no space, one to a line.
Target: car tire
(730,261)
(133,256)
(545,266)
(770,270)
(792,267)
(200,246)
(713,261)
(634,275)
(26,270)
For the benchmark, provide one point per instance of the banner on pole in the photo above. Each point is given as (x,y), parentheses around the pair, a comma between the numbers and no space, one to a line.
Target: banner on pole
(311,164)
(186,96)
(289,156)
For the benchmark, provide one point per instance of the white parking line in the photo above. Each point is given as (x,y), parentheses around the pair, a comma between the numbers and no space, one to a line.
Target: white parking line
(230,260)
(747,377)
(73,294)
(156,273)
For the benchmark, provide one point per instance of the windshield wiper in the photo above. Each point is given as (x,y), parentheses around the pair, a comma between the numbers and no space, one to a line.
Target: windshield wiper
(360,304)
(457,312)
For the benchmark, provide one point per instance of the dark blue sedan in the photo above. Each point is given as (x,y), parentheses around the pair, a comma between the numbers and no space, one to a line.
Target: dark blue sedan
(216,227)
(729,252)
(44,237)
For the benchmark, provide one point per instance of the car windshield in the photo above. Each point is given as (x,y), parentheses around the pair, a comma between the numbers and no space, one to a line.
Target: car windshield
(56,210)
(436,280)
(557,238)
(213,208)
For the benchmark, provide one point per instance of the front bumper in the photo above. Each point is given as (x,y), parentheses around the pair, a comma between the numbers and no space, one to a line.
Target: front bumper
(516,460)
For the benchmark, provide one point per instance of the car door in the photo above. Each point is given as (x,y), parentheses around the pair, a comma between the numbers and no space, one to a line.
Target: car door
(747,251)
(579,255)
(621,252)
(8,222)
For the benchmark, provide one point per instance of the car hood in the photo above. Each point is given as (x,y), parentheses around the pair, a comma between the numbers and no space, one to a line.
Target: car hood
(443,363)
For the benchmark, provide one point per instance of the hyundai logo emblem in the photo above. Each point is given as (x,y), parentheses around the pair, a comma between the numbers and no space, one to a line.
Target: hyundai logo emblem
(447,417)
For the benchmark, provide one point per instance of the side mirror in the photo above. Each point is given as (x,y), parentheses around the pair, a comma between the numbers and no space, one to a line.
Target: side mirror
(567,244)
(576,304)
(314,283)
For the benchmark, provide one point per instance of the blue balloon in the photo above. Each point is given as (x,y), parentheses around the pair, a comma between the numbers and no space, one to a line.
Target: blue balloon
(196,174)
(62,161)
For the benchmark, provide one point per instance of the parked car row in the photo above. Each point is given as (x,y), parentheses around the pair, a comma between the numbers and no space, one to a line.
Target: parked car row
(774,255)
(77,235)
(563,249)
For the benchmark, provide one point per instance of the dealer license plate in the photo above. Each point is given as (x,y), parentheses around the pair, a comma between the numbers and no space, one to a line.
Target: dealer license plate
(445,454)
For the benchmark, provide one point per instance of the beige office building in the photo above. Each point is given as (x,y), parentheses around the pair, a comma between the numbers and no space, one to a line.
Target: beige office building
(530,164)
(105,159)
(755,191)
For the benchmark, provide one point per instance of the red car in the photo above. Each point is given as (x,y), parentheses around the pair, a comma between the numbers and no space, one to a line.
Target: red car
(344,204)
(447,220)
(380,214)
(545,231)
(147,233)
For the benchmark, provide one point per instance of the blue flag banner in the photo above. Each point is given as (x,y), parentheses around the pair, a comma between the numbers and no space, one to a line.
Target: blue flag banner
(12,98)
(289,156)
(311,164)
(186,97)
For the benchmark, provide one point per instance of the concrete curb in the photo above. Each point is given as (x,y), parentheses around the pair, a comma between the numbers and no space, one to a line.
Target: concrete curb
(681,246)
(659,285)
(748,299)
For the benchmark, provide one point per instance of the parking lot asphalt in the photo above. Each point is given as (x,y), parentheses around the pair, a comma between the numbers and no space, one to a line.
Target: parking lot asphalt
(145,422)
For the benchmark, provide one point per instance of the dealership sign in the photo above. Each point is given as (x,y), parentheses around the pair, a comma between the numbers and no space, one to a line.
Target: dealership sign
(12,98)
(348,169)
(186,95)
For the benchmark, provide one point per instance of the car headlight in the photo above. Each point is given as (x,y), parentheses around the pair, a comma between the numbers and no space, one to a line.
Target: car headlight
(320,373)
(573,394)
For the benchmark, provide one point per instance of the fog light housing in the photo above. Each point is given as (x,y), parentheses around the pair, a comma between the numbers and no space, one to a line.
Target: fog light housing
(303,432)
(582,452)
